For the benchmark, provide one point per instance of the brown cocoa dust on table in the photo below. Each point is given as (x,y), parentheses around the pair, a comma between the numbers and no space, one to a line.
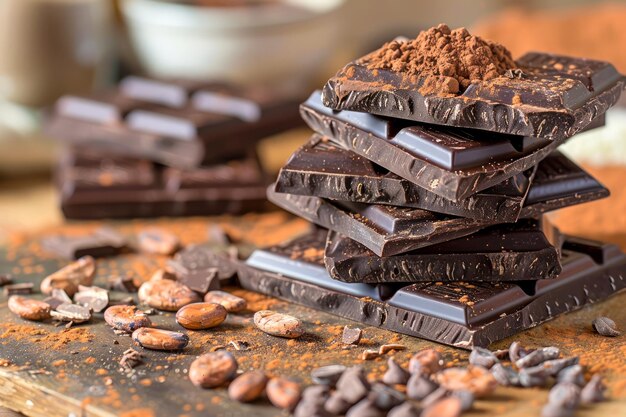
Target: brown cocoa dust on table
(450,60)
(44,338)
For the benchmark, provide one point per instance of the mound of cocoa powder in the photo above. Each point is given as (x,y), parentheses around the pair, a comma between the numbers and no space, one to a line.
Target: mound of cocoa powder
(450,60)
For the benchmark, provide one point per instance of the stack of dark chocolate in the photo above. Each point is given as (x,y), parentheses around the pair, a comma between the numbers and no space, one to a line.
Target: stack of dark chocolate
(150,148)
(431,207)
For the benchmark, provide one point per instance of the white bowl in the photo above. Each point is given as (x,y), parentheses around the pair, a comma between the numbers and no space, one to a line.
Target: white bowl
(272,44)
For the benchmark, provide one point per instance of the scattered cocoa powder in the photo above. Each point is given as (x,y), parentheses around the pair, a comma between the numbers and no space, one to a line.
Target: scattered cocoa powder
(44,338)
(592,31)
(449,59)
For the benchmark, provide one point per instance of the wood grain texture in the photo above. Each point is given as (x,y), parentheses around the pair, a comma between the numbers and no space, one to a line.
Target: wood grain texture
(55,372)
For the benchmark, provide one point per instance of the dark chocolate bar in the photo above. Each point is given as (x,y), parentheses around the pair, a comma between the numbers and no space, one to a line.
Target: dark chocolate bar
(101,243)
(385,230)
(451,163)
(459,314)
(322,169)
(174,123)
(390,230)
(526,250)
(96,187)
(548,96)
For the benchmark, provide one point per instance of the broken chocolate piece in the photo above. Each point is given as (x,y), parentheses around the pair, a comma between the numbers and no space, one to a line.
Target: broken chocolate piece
(458,314)
(94,298)
(320,168)
(197,266)
(101,243)
(526,250)
(451,163)
(556,97)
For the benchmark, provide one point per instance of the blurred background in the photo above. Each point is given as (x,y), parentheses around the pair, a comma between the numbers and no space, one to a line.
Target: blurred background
(50,48)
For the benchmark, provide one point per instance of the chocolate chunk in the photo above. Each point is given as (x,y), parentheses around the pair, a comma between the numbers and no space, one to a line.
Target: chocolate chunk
(365,408)
(94,298)
(426,362)
(176,124)
(526,250)
(451,163)
(505,375)
(482,357)
(466,397)
(103,242)
(538,356)
(351,335)
(565,394)
(197,267)
(556,97)
(122,283)
(573,374)
(385,397)
(593,392)
(352,385)
(535,376)
(71,313)
(395,374)
(406,409)
(94,186)
(327,375)
(551,410)
(458,314)
(5,279)
(385,230)
(18,289)
(336,404)
(322,169)
(419,387)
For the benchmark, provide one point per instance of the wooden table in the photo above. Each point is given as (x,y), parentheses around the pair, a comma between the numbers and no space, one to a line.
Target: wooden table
(51,371)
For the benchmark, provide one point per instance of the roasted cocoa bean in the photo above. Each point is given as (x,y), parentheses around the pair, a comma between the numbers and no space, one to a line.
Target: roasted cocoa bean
(159,339)
(475,379)
(447,407)
(126,318)
(283,393)
(277,324)
(68,278)
(247,387)
(230,302)
(213,369)
(29,309)
(199,316)
(604,326)
(426,362)
(166,295)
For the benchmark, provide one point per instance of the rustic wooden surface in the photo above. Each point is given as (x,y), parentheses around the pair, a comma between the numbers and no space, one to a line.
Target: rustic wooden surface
(50,371)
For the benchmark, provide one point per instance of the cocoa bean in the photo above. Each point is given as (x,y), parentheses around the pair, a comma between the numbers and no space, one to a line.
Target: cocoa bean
(213,369)
(247,387)
(159,339)
(157,241)
(198,316)
(283,393)
(29,309)
(68,278)
(126,318)
(277,324)
(231,303)
(166,295)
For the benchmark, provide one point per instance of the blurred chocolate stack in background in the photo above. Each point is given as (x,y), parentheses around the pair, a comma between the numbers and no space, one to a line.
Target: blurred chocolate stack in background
(149,148)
